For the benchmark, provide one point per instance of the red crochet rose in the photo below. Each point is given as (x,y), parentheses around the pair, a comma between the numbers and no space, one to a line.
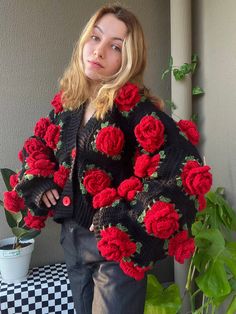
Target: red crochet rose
(20,156)
(96,180)
(150,133)
(105,198)
(115,244)
(13,180)
(35,222)
(129,187)
(181,247)
(196,178)
(12,202)
(41,127)
(202,202)
(32,144)
(57,103)
(110,140)
(135,272)
(161,220)
(189,128)
(61,175)
(40,165)
(146,165)
(127,97)
(52,136)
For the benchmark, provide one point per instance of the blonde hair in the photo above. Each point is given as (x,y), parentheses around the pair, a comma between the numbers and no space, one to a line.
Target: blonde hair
(75,85)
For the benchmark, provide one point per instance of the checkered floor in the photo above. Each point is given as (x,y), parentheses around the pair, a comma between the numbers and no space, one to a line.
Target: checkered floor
(46,290)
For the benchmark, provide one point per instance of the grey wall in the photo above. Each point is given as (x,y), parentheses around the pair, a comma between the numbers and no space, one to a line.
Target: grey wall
(215,42)
(36,41)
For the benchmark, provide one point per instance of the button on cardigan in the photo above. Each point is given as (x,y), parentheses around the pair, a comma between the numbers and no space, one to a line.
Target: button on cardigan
(138,178)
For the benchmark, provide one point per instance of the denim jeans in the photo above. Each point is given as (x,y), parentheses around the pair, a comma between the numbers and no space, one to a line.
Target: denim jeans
(98,286)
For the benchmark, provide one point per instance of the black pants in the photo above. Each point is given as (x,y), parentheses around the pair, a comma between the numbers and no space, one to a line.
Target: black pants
(98,286)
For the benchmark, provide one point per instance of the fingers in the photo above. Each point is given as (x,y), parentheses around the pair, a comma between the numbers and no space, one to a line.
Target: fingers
(91,228)
(50,198)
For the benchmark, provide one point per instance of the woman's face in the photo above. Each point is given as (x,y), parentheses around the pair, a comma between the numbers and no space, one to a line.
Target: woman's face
(102,53)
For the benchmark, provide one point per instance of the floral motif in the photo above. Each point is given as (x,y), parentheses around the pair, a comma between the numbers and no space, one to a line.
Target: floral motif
(133,271)
(181,246)
(128,96)
(150,133)
(96,180)
(146,165)
(105,198)
(110,141)
(189,128)
(39,164)
(161,220)
(14,180)
(34,222)
(13,202)
(115,244)
(32,144)
(21,156)
(52,136)
(57,103)
(202,202)
(129,187)
(196,179)
(41,127)
(61,175)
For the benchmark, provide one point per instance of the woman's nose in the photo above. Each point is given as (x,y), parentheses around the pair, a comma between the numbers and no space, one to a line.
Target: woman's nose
(99,51)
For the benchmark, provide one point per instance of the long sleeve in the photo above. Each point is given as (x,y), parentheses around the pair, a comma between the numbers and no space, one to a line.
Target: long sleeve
(152,210)
(38,164)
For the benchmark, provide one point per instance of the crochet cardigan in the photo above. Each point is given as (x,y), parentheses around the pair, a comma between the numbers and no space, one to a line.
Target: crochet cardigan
(141,180)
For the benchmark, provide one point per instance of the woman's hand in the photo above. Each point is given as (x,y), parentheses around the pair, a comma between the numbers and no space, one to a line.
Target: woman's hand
(50,197)
(91,228)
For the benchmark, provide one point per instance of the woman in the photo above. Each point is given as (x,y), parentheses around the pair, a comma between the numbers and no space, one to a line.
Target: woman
(122,177)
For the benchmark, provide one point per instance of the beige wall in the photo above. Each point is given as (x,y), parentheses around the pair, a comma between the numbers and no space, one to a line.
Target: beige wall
(214,39)
(36,41)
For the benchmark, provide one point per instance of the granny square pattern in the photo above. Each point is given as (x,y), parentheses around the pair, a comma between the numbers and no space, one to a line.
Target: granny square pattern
(46,290)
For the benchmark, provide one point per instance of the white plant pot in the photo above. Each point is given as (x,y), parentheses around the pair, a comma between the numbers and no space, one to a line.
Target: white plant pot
(14,264)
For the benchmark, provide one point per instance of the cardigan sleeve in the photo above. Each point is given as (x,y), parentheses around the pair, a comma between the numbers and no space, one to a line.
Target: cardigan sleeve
(155,207)
(38,164)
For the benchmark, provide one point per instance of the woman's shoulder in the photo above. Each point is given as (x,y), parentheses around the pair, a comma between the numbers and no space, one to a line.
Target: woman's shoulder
(133,104)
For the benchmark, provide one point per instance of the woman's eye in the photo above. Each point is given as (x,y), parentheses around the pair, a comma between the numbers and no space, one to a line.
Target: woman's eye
(116,48)
(96,38)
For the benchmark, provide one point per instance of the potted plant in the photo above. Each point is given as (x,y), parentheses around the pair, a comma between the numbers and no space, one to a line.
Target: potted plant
(211,279)
(15,252)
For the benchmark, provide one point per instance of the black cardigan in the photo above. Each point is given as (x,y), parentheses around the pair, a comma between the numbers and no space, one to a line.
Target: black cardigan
(115,151)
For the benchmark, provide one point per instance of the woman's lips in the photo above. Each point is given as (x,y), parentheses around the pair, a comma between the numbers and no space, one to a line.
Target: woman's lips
(95,64)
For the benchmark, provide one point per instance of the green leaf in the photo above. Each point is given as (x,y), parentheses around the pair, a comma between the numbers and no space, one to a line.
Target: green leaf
(10,217)
(30,235)
(6,173)
(170,105)
(170,62)
(229,257)
(197,91)
(232,307)
(19,232)
(194,118)
(179,75)
(196,228)
(160,300)
(186,68)
(194,58)
(210,241)
(213,282)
